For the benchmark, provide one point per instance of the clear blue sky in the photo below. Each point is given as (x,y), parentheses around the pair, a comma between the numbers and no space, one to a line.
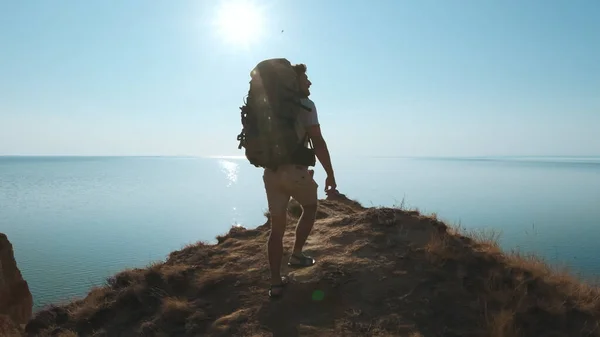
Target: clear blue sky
(390,77)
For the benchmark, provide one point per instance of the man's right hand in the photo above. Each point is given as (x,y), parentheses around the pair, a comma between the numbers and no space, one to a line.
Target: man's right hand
(330,184)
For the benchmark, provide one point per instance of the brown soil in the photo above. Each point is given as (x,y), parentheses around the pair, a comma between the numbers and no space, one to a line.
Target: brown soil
(379,272)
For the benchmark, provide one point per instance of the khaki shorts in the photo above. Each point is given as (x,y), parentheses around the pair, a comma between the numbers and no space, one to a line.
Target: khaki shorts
(289,181)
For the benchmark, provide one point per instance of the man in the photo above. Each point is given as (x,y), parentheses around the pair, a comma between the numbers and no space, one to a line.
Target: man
(296,181)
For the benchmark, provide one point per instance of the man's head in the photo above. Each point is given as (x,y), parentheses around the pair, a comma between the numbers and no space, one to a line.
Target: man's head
(303,80)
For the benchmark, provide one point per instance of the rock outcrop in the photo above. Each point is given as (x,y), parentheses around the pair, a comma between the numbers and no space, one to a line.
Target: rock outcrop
(379,272)
(16,302)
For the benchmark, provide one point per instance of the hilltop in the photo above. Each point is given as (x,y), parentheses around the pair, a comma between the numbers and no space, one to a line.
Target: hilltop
(379,272)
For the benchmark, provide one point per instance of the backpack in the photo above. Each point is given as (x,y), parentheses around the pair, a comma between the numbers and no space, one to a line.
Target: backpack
(269,114)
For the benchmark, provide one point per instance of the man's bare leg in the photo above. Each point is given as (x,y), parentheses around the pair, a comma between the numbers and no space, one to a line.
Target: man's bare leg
(304,227)
(275,248)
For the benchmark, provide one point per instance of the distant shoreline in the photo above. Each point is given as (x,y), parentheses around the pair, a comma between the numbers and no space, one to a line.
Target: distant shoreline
(480,157)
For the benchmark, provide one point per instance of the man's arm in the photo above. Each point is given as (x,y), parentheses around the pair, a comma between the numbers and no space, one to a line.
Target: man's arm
(321,151)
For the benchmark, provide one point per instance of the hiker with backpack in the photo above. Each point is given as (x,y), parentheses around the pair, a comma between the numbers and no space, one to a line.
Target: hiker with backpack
(281,133)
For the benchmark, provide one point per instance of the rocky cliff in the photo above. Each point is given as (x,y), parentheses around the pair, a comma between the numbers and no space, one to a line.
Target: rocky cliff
(16,302)
(379,272)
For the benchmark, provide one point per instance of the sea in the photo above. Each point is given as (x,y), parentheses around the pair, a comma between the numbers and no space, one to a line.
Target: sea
(74,221)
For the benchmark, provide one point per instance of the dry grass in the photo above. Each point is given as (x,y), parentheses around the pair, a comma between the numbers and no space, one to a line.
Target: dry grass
(522,293)
(380,272)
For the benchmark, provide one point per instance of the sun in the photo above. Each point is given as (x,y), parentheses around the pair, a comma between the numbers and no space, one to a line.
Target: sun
(239,22)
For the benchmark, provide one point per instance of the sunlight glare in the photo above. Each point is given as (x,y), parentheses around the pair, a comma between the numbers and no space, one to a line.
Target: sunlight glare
(231,171)
(239,22)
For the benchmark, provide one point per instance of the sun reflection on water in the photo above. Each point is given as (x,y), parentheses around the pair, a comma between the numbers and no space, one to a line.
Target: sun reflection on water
(231,171)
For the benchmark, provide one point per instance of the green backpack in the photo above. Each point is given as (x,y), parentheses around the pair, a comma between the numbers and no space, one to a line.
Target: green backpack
(269,135)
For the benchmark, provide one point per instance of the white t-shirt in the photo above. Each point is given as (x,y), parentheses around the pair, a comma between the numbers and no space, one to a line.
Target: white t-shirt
(306,118)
